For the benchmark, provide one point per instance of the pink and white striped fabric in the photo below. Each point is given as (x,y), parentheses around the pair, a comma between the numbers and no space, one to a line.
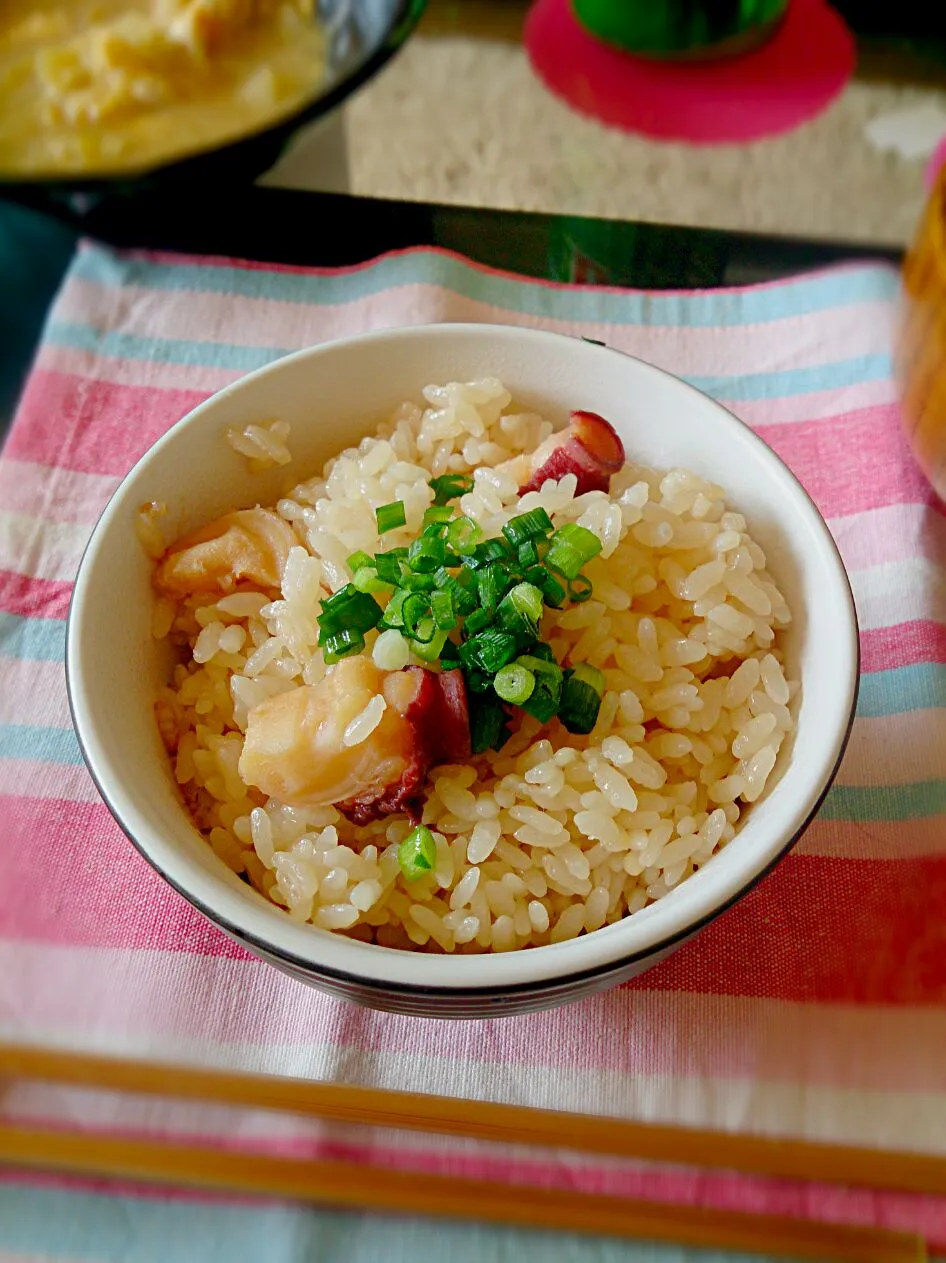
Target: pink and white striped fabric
(816,1007)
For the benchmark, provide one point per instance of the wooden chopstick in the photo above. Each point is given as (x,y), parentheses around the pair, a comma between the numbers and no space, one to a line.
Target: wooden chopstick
(486,1120)
(344,1184)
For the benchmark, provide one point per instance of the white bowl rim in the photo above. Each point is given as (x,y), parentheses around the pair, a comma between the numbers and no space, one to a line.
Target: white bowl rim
(653,931)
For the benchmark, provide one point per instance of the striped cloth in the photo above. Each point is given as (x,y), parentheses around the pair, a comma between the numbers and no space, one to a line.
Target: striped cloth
(813,1008)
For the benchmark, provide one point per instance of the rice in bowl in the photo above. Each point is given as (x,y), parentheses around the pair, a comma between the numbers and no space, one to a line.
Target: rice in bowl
(557,833)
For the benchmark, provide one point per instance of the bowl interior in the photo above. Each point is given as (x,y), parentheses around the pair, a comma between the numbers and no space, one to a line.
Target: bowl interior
(331,396)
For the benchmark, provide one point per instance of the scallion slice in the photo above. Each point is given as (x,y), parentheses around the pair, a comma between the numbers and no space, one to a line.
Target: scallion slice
(581,698)
(417,854)
(428,649)
(349,610)
(514,683)
(553,592)
(358,561)
(388,565)
(535,524)
(448,486)
(426,554)
(489,651)
(342,645)
(394,610)
(492,581)
(543,702)
(488,723)
(527,554)
(570,548)
(495,549)
(521,608)
(478,621)
(579,588)
(366,580)
(437,515)
(443,608)
(416,615)
(390,516)
(463,534)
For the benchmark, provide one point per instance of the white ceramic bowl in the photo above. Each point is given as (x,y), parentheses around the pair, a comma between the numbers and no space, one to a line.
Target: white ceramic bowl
(331,395)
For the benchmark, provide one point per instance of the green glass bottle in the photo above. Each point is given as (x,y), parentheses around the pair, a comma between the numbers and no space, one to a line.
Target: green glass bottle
(676,29)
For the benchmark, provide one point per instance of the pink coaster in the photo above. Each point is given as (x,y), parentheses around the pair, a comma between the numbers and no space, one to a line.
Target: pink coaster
(772,89)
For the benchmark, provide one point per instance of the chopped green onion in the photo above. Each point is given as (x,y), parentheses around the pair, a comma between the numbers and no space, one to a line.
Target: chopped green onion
(388,565)
(390,516)
(358,561)
(543,702)
(417,854)
(428,649)
(462,587)
(414,612)
(477,681)
(426,554)
(349,610)
(443,608)
(450,656)
(521,608)
(489,651)
(488,724)
(342,645)
(437,515)
(477,622)
(418,582)
(570,547)
(535,524)
(366,580)
(579,588)
(541,650)
(394,610)
(448,486)
(581,698)
(514,683)
(490,550)
(553,592)
(492,581)
(528,554)
(463,534)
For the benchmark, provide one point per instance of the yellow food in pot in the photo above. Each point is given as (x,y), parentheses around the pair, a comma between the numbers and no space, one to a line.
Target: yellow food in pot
(112,85)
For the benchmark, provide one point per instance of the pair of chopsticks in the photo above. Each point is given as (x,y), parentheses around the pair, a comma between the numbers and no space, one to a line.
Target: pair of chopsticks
(355,1186)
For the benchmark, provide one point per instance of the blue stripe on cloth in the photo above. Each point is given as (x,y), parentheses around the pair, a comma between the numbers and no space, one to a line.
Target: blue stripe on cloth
(32,638)
(885,802)
(43,745)
(902,689)
(775,385)
(66,1226)
(706,309)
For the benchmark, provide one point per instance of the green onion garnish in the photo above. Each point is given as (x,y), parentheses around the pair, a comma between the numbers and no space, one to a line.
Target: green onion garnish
(543,701)
(535,524)
(488,724)
(463,534)
(358,561)
(388,565)
(490,550)
(520,609)
(448,486)
(489,651)
(394,610)
(342,645)
(553,592)
(581,698)
(437,515)
(366,580)
(349,610)
(514,683)
(478,621)
(418,582)
(570,547)
(527,554)
(426,554)
(461,586)
(579,588)
(428,649)
(414,612)
(390,516)
(417,854)
(443,608)
(492,581)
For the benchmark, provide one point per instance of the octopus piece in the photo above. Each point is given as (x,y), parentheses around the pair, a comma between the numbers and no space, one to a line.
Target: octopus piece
(295,748)
(246,546)
(590,449)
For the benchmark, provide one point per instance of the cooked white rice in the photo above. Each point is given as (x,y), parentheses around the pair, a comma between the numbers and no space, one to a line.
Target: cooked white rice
(557,834)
